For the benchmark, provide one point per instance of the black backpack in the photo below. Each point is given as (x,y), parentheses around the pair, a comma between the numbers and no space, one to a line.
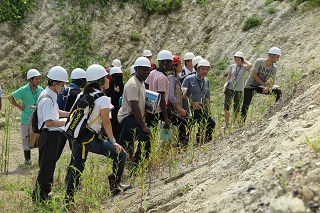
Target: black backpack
(77,122)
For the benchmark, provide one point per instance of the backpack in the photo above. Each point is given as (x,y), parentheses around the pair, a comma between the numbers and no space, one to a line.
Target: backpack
(63,98)
(33,133)
(77,122)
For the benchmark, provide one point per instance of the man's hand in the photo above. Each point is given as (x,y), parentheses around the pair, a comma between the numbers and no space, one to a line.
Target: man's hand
(196,105)
(119,148)
(147,130)
(116,88)
(21,108)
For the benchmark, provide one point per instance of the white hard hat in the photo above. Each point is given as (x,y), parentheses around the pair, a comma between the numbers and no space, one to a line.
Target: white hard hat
(188,56)
(114,70)
(132,71)
(147,53)
(164,55)
(203,63)
(116,63)
(142,62)
(32,73)
(95,72)
(239,54)
(58,73)
(78,73)
(275,51)
(196,60)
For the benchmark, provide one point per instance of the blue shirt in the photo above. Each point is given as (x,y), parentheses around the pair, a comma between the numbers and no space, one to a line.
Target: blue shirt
(198,90)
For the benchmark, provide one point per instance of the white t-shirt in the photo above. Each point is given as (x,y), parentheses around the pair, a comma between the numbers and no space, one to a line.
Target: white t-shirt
(48,109)
(100,103)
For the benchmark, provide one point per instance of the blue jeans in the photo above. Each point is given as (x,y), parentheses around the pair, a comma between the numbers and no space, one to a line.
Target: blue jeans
(98,146)
(131,130)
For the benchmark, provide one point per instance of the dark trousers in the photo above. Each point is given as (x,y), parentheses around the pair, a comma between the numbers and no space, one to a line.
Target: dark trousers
(51,145)
(200,116)
(131,130)
(98,146)
(116,127)
(182,124)
(248,94)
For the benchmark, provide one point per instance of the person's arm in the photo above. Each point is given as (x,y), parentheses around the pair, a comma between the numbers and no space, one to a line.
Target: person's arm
(228,77)
(54,123)
(0,103)
(104,113)
(257,79)
(163,107)
(14,103)
(63,114)
(249,65)
(137,115)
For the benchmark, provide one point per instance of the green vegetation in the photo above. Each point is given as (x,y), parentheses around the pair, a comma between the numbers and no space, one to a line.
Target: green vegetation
(161,6)
(135,37)
(271,10)
(78,48)
(309,4)
(251,22)
(313,144)
(15,10)
(267,2)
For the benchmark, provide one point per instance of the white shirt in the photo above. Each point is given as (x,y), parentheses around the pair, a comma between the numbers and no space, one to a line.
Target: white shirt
(48,109)
(100,103)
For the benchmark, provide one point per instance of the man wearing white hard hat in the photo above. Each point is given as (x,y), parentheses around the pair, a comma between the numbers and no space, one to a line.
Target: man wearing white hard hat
(51,140)
(28,94)
(132,111)
(158,82)
(148,55)
(262,79)
(234,86)
(198,91)
(188,67)
(68,95)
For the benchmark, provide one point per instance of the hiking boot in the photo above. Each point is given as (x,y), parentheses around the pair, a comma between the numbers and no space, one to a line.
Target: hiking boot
(115,186)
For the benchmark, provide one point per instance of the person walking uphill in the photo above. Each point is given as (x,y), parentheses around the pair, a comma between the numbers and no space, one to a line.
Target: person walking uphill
(91,142)
(132,111)
(234,85)
(176,112)
(199,93)
(263,70)
(115,91)
(158,82)
(68,95)
(29,95)
(51,140)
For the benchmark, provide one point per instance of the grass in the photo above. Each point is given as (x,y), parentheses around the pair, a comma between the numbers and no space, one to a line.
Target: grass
(271,10)
(250,22)
(313,143)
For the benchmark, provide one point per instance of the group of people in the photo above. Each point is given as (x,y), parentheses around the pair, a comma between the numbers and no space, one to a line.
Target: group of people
(119,115)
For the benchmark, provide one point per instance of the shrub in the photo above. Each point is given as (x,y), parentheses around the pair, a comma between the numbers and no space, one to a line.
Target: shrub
(271,10)
(15,11)
(161,6)
(251,22)
(135,37)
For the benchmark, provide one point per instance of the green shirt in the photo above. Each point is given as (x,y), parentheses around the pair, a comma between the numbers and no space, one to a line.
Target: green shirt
(28,98)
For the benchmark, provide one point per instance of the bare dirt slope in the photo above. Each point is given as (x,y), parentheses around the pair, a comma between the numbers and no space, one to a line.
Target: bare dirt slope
(258,167)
